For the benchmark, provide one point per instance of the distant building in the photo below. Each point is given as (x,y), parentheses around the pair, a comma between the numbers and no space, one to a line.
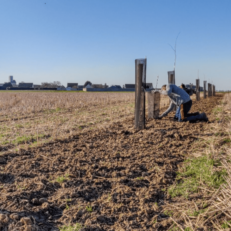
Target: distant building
(99,86)
(130,86)
(37,87)
(80,87)
(12,81)
(115,86)
(4,86)
(25,85)
(149,85)
(72,85)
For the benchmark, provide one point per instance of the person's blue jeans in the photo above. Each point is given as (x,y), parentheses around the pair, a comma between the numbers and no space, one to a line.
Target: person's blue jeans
(188,116)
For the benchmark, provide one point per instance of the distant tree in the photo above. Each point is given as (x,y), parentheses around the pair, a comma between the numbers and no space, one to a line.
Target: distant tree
(86,83)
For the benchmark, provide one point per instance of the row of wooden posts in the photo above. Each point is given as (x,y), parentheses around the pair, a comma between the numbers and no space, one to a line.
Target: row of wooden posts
(153,98)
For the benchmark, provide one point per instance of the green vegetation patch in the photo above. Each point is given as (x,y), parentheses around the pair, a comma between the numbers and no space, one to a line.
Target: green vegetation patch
(76,227)
(27,139)
(217,110)
(61,179)
(197,172)
(226,225)
(89,209)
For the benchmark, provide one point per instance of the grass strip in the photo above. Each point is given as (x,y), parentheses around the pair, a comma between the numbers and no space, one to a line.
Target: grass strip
(195,173)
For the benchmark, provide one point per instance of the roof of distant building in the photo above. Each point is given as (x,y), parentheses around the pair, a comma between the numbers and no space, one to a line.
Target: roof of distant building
(130,85)
(25,85)
(115,86)
(98,86)
(149,85)
(72,85)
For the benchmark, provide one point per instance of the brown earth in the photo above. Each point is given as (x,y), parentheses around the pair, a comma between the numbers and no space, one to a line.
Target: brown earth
(111,179)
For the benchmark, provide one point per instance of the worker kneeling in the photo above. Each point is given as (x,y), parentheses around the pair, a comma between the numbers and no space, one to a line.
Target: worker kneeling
(181,99)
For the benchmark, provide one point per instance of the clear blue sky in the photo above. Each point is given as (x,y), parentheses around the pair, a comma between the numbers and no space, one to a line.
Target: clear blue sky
(99,40)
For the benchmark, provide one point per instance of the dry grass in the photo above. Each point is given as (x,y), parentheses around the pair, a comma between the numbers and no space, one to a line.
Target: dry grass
(29,118)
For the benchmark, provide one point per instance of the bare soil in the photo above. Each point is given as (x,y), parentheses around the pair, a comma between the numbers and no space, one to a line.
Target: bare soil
(110,179)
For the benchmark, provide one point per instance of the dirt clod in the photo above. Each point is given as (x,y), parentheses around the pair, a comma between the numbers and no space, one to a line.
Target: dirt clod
(4,218)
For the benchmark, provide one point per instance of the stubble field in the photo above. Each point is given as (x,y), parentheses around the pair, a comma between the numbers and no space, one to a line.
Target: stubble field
(75,162)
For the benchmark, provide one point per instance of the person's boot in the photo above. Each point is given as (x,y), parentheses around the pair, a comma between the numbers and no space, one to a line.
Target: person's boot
(193,114)
(203,117)
(175,118)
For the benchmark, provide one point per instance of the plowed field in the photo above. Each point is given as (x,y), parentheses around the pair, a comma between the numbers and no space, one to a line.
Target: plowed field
(108,179)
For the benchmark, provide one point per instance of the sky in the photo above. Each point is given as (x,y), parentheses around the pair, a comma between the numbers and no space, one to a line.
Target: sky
(99,40)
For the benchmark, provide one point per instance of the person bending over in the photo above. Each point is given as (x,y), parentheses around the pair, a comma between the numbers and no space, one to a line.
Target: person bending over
(181,99)
(189,92)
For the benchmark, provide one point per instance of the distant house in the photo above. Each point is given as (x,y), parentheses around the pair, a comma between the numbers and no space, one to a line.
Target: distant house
(115,86)
(130,86)
(149,85)
(72,85)
(88,86)
(99,86)
(80,87)
(1,86)
(61,88)
(4,86)
(37,87)
(25,85)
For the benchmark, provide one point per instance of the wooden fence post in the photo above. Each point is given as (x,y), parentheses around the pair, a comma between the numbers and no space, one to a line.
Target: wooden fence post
(205,89)
(171,77)
(171,80)
(198,89)
(214,90)
(140,76)
(209,90)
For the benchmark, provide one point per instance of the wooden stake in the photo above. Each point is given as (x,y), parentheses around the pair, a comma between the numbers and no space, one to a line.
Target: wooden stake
(205,89)
(198,89)
(140,76)
(153,104)
(171,77)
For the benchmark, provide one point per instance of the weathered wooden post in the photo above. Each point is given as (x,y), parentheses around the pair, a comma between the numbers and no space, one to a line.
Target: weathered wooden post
(153,104)
(140,76)
(197,89)
(209,90)
(214,90)
(171,80)
(205,89)
(171,77)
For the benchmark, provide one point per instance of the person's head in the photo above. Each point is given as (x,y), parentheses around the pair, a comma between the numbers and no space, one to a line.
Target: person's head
(163,88)
(182,86)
